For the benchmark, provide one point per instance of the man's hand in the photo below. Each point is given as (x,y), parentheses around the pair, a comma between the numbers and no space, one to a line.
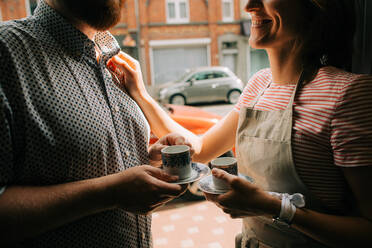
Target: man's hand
(244,198)
(167,140)
(143,188)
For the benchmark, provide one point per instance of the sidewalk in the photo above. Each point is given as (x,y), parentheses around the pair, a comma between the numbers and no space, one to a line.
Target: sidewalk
(194,224)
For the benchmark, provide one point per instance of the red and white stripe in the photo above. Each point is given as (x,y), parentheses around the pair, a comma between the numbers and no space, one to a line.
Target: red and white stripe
(332,127)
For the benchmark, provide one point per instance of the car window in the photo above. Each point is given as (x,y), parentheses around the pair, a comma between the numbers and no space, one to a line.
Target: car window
(207,75)
(219,74)
(202,76)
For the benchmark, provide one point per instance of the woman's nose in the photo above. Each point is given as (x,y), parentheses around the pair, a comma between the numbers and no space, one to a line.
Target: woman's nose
(253,5)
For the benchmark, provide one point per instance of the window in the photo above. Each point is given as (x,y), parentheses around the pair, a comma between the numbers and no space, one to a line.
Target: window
(230,55)
(177,11)
(31,6)
(207,75)
(219,74)
(199,76)
(259,60)
(227,10)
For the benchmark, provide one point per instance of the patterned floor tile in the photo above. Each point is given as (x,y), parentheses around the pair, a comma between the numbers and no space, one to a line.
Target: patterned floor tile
(194,224)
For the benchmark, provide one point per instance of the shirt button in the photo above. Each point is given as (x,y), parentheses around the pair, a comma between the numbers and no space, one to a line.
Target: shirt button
(116,108)
(143,236)
(127,153)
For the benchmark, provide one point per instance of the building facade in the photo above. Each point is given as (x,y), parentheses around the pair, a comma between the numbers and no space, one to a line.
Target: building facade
(170,36)
(174,35)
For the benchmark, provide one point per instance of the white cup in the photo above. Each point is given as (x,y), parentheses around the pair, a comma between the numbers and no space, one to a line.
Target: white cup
(176,160)
(228,164)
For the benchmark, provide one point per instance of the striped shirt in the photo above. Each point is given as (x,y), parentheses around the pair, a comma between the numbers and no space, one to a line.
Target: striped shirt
(332,127)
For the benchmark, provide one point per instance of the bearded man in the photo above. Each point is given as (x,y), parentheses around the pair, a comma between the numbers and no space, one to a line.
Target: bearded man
(73,147)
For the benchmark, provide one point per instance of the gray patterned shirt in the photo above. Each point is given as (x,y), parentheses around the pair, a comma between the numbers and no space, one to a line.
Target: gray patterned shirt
(62,119)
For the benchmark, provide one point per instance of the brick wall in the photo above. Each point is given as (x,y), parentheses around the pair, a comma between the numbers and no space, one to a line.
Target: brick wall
(13,9)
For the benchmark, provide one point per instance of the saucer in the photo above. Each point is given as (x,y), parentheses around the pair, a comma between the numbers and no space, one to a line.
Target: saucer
(198,171)
(206,184)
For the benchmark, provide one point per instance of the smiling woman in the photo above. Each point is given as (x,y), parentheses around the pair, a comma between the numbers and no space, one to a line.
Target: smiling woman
(301,127)
(315,27)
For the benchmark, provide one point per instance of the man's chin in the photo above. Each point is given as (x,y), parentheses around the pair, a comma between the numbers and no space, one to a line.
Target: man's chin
(98,15)
(101,27)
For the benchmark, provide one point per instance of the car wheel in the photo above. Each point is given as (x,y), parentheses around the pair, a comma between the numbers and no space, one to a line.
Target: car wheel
(233,96)
(177,100)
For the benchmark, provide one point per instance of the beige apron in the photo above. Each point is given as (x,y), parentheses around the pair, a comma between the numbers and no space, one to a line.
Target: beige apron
(264,152)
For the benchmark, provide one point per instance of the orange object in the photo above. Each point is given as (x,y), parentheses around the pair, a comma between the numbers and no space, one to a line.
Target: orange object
(194,119)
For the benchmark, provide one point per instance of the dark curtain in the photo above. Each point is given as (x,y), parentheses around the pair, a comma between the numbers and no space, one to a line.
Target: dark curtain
(362,56)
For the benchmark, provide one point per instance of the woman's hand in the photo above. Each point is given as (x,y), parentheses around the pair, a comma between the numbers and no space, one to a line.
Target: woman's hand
(128,71)
(244,198)
(167,140)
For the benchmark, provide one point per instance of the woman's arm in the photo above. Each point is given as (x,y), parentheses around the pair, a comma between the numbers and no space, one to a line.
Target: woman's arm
(339,231)
(216,141)
(245,199)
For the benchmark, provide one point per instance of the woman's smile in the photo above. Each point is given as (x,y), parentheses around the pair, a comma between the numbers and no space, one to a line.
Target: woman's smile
(257,23)
(274,22)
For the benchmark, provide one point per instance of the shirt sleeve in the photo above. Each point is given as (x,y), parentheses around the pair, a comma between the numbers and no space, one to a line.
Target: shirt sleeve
(351,127)
(6,150)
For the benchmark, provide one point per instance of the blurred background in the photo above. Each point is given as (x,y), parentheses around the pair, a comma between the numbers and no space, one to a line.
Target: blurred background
(170,36)
(188,46)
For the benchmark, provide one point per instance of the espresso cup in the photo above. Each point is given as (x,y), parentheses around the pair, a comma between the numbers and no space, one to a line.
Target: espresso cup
(176,160)
(228,164)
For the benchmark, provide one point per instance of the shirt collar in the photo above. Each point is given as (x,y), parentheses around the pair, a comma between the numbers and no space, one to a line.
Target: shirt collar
(66,34)
(72,39)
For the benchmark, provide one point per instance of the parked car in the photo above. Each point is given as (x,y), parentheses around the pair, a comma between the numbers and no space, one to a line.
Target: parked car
(197,121)
(202,84)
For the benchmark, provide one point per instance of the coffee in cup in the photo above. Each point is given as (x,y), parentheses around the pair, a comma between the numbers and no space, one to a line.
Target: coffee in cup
(228,164)
(176,160)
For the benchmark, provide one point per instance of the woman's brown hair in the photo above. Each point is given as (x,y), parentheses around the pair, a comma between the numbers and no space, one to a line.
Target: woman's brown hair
(328,33)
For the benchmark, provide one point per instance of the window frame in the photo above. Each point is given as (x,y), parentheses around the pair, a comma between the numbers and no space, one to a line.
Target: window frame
(227,18)
(177,18)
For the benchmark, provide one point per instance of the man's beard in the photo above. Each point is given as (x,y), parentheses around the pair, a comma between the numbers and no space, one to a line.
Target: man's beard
(99,14)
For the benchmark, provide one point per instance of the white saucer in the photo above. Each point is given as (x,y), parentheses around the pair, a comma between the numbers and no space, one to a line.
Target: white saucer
(206,184)
(198,171)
